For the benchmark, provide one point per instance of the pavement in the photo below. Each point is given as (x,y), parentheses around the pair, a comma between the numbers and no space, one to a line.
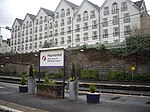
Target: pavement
(10,98)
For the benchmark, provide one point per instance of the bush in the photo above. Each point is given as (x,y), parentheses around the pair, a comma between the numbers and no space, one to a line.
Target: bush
(89,74)
(142,77)
(23,81)
(49,82)
(115,75)
(56,75)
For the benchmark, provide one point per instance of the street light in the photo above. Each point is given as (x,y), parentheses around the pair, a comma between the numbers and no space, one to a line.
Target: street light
(7,28)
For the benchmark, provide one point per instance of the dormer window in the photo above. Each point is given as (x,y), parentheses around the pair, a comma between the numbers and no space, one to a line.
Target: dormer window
(124,6)
(62,13)
(106,11)
(85,16)
(114,8)
(92,14)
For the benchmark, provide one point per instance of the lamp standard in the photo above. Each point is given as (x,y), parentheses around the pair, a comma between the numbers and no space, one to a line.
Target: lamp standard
(7,28)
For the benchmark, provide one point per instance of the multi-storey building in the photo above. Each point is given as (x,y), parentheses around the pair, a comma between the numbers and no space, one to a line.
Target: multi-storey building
(71,25)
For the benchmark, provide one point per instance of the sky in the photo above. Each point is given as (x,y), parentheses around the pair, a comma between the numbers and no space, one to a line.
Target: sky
(11,9)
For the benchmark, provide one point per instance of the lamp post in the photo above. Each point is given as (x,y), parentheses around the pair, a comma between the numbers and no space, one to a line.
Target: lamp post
(7,28)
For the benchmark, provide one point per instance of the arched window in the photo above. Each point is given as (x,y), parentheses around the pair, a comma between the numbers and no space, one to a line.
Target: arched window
(62,14)
(114,8)
(85,16)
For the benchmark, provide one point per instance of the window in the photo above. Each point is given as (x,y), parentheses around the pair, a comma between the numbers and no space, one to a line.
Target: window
(69,20)
(115,20)
(26,39)
(22,40)
(105,22)
(40,37)
(126,18)
(40,28)
(69,39)
(30,24)
(22,47)
(30,46)
(85,16)
(62,13)
(56,41)
(18,48)
(127,30)
(26,32)
(56,24)
(92,14)
(50,33)
(26,47)
(27,25)
(106,11)
(94,35)
(77,28)
(114,8)
(30,38)
(35,37)
(69,30)
(78,17)
(57,15)
(56,32)
(45,27)
(36,22)
(85,26)
(35,44)
(50,25)
(62,22)
(40,44)
(77,38)
(115,31)
(30,30)
(18,34)
(94,24)
(62,31)
(62,40)
(85,38)
(23,26)
(22,33)
(45,35)
(18,28)
(41,20)
(68,12)
(105,33)
(124,6)
(18,41)
(35,29)
(45,19)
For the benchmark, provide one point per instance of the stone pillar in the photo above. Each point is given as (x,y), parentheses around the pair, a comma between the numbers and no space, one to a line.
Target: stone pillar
(31,86)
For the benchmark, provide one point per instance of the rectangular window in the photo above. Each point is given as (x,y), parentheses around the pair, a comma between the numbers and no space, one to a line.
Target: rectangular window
(78,18)
(35,29)
(45,27)
(127,30)
(85,28)
(105,22)
(77,28)
(50,25)
(69,20)
(35,45)
(115,31)
(62,40)
(69,39)
(26,32)
(94,35)
(77,39)
(56,32)
(68,12)
(62,22)
(30,38)
(94,24)
(40,28)
(40,37)
(85,38)
(62,31)
(45,35)
(92,14)
(124,6)
(56,24)
(35,37)
(57,15)
(56,41)
(126,18)
(69,30)
(50,33)
(115,20)
(106,11)
(105,33)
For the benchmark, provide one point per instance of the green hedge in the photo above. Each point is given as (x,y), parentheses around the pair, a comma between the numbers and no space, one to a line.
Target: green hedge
(89,74)
(115,75)
(142,77)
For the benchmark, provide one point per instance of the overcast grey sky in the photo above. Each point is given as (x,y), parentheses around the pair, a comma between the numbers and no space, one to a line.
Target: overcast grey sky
(11,9)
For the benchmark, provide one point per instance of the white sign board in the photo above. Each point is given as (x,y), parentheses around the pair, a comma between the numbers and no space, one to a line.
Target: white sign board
(52,58)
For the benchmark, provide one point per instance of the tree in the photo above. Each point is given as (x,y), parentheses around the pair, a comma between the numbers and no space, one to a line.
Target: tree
(31,71)
(47,45)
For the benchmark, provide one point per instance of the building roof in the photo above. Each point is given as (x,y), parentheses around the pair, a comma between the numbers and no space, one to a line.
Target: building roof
(138,3)
(48,12)
(20,21)
(96,6)
(32,16)
(74,6)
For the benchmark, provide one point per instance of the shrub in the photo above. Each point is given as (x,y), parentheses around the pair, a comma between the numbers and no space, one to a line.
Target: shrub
(89,74)
(23,81)
(115,75)
(49,82)
(142,77)
(92,88)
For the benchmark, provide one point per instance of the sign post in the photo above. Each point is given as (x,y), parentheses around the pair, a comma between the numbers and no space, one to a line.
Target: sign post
(53,58)
(132,70)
